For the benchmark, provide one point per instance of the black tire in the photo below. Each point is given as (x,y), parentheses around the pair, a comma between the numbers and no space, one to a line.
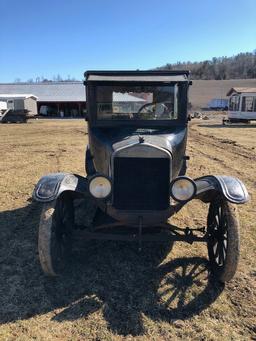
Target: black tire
(55,235)
(224,239)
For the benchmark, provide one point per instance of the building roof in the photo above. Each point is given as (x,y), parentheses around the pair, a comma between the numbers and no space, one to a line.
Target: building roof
(17,96)
(241,90)
(56,92)
(48,91)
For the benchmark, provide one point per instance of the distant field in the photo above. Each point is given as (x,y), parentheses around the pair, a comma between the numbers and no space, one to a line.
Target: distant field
(202,91)
(114,292)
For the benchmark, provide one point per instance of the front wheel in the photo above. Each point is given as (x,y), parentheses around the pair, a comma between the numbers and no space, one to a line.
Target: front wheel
(223,239)
(55,235)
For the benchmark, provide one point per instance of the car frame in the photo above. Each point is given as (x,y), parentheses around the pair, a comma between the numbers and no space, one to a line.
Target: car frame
(136,176)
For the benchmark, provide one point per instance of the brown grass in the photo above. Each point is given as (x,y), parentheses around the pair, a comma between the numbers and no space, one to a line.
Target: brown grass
(202,91)
(114,292)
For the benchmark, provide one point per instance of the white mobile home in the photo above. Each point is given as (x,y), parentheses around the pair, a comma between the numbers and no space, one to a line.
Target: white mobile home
(242,104)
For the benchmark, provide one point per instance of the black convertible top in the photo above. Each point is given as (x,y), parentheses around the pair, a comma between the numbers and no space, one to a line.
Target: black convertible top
(137,76)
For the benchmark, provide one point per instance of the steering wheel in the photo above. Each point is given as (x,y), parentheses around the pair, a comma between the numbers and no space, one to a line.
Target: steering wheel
(163,107)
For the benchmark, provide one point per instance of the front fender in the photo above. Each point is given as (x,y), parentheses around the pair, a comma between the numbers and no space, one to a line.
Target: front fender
(232,188)
(50,186)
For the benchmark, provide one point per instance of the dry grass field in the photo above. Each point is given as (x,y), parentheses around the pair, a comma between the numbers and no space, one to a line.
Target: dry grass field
(202,91)
(114,292)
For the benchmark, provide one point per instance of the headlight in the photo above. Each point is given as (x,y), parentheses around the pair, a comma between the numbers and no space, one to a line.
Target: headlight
(183,188)
(100,187)
(47,189)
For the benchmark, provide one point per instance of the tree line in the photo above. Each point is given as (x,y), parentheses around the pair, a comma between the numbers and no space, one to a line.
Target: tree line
(242,65)
(42,79)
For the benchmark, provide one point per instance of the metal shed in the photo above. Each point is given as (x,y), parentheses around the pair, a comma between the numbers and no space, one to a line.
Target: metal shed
(53,98)
(20,102)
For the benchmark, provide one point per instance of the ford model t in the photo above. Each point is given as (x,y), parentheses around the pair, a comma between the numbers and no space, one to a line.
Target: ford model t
(136,175)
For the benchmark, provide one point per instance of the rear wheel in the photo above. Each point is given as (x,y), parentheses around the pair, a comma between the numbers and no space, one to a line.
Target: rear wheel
(224,241)
(55,235)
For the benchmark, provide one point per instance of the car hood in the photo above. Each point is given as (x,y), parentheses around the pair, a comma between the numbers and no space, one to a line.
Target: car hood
(104,142)
(167,139)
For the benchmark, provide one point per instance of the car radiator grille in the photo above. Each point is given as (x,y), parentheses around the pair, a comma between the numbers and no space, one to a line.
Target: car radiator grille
(141,183)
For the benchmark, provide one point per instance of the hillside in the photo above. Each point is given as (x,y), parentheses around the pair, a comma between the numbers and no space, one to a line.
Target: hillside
(202,91)
(242,65)
(213,78)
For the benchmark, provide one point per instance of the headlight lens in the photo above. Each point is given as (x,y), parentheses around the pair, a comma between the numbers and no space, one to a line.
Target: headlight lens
(183,189)
(47,189)
(100,187)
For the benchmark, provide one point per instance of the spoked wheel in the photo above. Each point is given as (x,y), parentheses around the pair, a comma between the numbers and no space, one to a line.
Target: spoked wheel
(55,235)
(224,242)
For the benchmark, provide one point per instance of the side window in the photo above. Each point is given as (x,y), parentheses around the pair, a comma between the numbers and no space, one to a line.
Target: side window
(247,104)
(234,103)
(231,103)
(254,106)
(10,104)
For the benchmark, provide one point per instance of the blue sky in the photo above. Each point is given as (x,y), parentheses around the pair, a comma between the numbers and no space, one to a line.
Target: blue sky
(67,37)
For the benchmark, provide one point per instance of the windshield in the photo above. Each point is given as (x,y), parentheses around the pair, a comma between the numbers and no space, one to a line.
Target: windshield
(133,102)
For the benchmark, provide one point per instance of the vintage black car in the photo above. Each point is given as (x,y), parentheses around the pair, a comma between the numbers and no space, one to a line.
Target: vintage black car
(136,166)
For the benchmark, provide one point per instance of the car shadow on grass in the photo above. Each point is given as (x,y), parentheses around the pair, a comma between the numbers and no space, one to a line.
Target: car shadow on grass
(124,285)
